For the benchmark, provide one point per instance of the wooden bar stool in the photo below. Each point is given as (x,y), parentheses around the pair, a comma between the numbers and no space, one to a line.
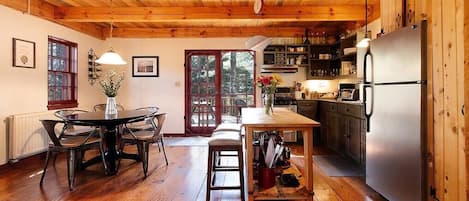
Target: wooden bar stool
(224,141)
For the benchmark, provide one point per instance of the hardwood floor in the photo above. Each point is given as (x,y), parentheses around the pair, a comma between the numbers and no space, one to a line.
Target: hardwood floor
(183,179)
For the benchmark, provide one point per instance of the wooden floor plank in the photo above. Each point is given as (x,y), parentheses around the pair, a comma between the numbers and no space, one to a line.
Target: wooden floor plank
(183,179)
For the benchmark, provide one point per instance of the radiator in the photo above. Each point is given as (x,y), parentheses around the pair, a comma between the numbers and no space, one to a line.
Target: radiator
(26,135)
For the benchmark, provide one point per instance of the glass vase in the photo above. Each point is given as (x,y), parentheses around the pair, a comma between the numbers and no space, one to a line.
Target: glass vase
(111,106)
(268,103)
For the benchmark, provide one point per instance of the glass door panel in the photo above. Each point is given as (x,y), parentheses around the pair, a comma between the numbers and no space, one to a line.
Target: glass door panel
(202,100)
(237,83)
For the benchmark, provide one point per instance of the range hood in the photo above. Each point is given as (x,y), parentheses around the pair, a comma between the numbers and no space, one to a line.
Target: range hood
(279,69)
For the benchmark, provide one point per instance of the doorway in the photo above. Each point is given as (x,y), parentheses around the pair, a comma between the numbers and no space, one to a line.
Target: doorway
(218,84)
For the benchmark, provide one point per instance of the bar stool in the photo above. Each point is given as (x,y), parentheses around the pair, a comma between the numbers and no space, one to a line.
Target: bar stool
(224,141)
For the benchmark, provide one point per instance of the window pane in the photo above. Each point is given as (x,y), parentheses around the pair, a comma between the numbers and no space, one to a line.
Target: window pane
(59,80)
(51,94)
(66,93)
(51,79)
(59,92)
(54,49)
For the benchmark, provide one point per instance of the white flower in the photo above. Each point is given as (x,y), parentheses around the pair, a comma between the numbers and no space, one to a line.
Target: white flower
(111,83)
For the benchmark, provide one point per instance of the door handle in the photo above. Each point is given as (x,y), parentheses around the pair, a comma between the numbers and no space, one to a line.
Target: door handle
(366,85)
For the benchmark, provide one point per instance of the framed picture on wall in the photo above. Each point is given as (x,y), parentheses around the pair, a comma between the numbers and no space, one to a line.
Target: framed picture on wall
(24,53)
(145,66)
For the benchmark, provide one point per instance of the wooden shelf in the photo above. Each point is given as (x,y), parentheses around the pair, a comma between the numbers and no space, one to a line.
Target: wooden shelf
(279,192)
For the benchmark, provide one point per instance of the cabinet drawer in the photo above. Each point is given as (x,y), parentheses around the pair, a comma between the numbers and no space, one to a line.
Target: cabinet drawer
(311,103)
(351,110)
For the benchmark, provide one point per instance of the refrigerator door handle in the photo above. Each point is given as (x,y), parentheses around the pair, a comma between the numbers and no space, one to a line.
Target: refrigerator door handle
(365,86)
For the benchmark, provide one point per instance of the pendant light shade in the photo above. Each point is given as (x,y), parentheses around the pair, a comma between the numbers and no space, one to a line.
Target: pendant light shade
(365,42)
(111,58)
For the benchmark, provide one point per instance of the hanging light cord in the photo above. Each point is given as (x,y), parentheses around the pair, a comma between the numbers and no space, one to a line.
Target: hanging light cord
(366,18)
(112,19)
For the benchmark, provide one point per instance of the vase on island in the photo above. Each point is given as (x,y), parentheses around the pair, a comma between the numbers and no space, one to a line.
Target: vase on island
(111,106)
(268,103)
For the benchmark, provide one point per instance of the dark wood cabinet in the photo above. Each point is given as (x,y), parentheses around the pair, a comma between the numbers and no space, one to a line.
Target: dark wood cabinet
(343,128)
(308,108)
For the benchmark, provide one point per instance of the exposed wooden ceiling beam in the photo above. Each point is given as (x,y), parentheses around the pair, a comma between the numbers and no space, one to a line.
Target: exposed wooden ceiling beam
(164,14)
(45,10)
(203,32)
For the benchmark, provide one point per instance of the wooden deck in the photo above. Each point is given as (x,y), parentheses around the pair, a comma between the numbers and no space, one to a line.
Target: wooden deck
(184,180)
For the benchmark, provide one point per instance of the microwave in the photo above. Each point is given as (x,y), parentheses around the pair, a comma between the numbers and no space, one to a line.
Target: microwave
(349,94)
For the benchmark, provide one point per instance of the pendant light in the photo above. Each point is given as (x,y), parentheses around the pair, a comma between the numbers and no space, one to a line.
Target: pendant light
(365,42)
(111,57)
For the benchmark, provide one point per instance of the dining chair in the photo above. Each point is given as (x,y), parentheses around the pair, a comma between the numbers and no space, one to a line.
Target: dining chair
(70,129)
(71,144)
(102,107)
(144,137)
(141,125)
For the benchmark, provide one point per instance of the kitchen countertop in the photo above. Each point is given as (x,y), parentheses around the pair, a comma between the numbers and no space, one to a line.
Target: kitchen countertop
(333,101)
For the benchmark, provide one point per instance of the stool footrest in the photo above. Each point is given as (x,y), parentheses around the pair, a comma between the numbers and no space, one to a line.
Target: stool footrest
(226,169)
(224,187)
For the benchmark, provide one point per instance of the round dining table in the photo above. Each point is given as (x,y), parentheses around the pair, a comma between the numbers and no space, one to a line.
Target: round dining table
(111,123)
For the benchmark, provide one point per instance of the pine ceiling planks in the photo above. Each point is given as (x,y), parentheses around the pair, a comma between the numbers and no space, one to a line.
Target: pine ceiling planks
(201,18)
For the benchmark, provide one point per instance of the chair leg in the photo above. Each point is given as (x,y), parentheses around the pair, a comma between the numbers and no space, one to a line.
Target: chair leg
(141,154)
(45,167)
(71,168)
(103,158)
(164,151)
(209,174)
(241,173)
(145,160)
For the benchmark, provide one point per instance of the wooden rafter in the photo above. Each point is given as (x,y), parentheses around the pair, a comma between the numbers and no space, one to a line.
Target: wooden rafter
(204,32)
(46,10)
(161,14)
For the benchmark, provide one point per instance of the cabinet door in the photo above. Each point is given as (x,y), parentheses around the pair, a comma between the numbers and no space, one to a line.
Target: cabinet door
(353,148)
(334,133)
(308,109)
(323,120)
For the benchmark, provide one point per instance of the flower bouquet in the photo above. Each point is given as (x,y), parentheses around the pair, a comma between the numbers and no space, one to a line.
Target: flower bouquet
(268,84)
(110,84)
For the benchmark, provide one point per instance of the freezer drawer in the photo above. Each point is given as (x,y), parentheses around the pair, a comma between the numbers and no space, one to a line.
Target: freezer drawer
(394,144)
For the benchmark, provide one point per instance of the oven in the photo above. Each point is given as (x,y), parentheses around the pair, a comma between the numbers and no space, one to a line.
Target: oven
(284,97)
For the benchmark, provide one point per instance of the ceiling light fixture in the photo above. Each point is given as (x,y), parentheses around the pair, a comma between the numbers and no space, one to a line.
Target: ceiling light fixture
(111,57)
(365,42)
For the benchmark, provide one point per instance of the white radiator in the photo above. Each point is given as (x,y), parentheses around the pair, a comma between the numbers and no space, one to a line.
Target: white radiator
(26,134)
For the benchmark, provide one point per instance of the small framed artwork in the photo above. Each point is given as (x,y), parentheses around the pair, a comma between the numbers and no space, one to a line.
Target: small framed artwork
(145,66)
(24,53)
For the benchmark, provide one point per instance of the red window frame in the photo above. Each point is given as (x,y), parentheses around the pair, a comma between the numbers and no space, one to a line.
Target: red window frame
(67,98)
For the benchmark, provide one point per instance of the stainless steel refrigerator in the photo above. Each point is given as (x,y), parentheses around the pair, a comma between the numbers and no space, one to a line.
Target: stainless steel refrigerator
(394,99)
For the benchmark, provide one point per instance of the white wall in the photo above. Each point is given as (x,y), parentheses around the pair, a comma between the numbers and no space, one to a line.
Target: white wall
(24,90)
(167,90)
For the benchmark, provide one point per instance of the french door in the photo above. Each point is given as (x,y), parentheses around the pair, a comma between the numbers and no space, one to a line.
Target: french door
(218,84)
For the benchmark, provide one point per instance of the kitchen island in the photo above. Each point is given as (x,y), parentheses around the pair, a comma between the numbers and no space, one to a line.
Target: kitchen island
(255,119)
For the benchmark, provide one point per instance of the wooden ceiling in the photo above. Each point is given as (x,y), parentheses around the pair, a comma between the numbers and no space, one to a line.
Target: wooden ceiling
(200,18)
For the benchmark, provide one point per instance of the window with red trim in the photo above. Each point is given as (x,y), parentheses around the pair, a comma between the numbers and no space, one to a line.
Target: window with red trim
(62,74)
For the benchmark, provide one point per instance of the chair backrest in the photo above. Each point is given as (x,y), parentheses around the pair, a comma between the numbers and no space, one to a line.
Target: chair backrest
(49,125)
(102,107)
(62,113)
(161,117)
(150,109)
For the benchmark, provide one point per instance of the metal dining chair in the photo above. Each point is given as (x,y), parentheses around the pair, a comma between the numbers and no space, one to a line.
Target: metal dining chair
(74,145)
(144,137)
(72,130)
(141,125)
(102,107)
